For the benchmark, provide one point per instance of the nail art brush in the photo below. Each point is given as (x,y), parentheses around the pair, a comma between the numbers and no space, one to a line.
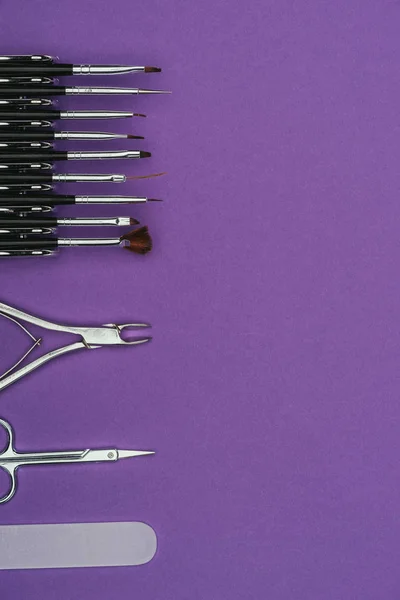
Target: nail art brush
(57,155)
(137,241)
(59,69)
(48,133)
(56,115)
(43,178)
(9,91)
(37,199)
(22,224)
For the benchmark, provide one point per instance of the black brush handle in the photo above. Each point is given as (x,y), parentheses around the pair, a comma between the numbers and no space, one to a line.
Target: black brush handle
(22,113)
(40,155)
(27,243)
(27,222)
(11,125)
(26,136)
(30,199)
(23,146)
(42,69)
(6,59)
(8,91)
(25,178)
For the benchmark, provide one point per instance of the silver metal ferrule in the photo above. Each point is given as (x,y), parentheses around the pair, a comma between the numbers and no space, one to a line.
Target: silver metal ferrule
(95,114)
(68,242)
(100,90)
(103,154)
(87,135)
(109,199)
(78,177)
(105,69)
(89,221)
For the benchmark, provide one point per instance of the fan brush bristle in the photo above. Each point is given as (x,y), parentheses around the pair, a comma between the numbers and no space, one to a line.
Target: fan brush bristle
(139,240)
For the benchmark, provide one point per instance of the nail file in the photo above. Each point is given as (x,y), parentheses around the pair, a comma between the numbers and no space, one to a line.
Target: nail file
(74,545)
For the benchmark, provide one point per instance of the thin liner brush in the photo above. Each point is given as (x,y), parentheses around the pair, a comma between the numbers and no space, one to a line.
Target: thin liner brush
(32,199)
(9,91)
(54,155)
(55,115)
(58,69)
(50,134)
(137,241)
(32,178)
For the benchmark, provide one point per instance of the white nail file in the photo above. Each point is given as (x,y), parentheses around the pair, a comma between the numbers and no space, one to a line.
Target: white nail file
(76,545)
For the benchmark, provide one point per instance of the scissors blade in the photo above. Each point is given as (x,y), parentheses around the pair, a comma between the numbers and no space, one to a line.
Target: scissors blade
(133,453)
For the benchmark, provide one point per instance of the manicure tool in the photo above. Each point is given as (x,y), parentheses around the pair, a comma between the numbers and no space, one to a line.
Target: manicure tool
(52,155)
(49,134)
(55,115)
(90,338)
(26,253)
(13,91)
(29,179)
(11,460)
(137,241)
(62,545)
(67,199)
(45,225)
(35,80)
(58,69)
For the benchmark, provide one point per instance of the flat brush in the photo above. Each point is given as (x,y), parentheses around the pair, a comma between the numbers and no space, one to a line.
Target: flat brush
(55,115)
(33,199)
(10,91)
(49,134)
(25,224)
(56,69)
(57,155)
(137,241)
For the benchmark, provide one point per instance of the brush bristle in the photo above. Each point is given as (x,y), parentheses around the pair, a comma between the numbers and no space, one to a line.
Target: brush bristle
(134,221)
(134,137)
(139,115)
(154,200)
(146,176)
(144,154)
(152,70)
(139,240)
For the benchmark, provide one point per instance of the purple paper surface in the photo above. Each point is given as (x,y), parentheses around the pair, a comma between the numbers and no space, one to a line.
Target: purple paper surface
(271,388)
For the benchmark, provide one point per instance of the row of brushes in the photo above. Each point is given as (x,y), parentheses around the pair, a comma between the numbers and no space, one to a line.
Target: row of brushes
(27,155)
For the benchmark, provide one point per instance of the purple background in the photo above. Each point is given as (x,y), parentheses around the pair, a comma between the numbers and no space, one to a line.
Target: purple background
(271,389)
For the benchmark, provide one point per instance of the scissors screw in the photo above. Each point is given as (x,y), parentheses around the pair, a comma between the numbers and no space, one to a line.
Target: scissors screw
(110,455)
